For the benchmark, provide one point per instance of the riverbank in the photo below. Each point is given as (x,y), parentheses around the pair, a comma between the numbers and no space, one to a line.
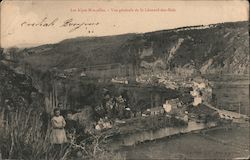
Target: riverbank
(143,136)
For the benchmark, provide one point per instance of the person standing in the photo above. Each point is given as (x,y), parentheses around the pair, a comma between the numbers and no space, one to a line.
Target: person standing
(58,134)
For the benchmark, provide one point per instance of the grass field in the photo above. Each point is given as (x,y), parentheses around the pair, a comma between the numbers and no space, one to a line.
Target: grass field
(233,97)
(231,92)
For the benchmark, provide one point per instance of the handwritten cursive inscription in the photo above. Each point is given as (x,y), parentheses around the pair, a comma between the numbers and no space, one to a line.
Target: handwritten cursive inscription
(43,23)
(68,23)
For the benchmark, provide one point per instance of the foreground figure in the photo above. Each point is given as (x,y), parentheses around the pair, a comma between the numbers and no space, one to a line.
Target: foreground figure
(58,134)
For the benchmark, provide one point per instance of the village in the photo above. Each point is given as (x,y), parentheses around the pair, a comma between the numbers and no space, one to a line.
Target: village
(160,101)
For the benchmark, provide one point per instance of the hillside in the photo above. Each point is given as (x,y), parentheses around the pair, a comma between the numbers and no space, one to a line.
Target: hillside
(16,91)
(219,48)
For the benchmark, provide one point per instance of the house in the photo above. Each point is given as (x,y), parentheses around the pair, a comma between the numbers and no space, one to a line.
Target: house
(70,70)
(197,100)
(171,105)
(156,111)
(83,74)
(119,80)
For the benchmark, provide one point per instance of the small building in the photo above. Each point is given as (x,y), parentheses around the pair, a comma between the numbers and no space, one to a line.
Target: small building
(156,111)
(171,105)
(70,70)
(197,100)
(119,80)
(83,74)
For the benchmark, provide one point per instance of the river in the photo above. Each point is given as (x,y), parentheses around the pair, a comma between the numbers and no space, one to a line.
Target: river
(224,144)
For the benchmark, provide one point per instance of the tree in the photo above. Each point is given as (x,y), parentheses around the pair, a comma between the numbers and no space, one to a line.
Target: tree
(1,54)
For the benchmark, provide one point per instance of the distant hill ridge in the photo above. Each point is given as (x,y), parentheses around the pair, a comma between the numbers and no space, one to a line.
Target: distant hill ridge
(217,48)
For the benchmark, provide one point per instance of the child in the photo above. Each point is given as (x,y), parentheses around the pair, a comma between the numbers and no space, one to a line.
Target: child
(58,135)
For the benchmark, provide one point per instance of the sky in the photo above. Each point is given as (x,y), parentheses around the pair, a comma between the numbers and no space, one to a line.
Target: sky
(30,23)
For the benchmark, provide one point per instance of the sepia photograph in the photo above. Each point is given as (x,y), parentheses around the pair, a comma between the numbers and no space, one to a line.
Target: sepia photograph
(124,80)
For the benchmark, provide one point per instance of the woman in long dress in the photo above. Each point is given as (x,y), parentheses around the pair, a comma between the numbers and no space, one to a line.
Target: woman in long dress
(58,134)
